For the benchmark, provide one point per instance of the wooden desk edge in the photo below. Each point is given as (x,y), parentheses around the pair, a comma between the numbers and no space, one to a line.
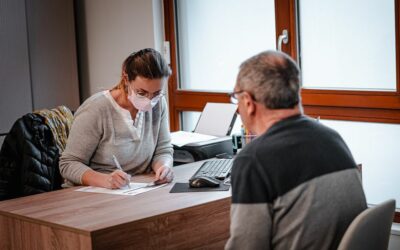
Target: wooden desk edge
(45,223)
(100,231)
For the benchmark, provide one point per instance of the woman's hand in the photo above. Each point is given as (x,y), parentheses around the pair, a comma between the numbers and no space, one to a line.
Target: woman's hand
(117,179)
(164,174)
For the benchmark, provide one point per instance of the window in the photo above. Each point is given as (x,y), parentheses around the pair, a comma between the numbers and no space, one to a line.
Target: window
(209,39)
(380,171)
(207,64)
(339,47)
(349,54)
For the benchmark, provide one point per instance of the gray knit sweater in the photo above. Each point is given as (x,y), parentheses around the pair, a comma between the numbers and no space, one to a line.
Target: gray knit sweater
(101,128)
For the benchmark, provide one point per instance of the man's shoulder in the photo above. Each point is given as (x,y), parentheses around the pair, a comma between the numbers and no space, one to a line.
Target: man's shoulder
(317,126)
(255,157)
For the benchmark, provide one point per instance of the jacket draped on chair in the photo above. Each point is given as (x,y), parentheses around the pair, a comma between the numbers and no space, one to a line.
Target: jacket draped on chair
(30,153)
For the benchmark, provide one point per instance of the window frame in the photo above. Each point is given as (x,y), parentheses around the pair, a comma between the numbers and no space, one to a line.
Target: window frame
(182,100)
(350,105)
(365,106)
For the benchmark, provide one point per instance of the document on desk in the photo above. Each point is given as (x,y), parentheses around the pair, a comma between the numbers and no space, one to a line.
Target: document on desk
(181,138)
(136,188)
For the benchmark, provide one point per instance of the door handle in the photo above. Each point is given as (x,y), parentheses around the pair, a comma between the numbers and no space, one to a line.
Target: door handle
(283,38)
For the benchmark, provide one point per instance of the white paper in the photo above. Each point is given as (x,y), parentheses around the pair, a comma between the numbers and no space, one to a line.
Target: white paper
(216,119)
(136,188)
(181,138)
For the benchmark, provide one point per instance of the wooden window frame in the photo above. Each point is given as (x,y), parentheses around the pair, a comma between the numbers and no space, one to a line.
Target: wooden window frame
(182,100)
(365,106)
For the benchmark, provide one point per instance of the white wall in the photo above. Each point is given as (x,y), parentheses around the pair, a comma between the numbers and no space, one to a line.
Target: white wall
(52,54)
(108,31)
(38,66)
(158,24)
(15,79)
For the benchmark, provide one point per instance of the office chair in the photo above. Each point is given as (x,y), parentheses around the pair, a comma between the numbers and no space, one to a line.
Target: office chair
(370,229)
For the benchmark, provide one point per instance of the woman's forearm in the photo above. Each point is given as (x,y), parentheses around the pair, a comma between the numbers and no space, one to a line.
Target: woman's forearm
(165,161)
(93,178)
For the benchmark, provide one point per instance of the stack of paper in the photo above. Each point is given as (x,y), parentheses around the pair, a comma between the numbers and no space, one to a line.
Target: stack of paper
(181,138)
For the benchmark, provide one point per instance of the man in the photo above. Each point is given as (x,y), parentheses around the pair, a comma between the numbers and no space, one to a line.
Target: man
(296,186)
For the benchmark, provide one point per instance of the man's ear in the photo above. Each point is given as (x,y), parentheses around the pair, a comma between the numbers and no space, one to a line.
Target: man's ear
(249,104)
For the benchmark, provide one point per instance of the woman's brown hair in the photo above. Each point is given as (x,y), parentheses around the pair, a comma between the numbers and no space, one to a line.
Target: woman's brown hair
(147,63)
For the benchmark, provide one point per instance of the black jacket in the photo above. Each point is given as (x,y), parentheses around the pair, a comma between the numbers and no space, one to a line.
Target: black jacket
(29,159)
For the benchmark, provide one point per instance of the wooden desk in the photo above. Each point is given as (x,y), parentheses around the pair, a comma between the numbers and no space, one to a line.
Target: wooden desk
(67,219)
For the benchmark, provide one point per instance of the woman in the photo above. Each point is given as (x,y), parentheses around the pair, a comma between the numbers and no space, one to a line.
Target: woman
(130,121)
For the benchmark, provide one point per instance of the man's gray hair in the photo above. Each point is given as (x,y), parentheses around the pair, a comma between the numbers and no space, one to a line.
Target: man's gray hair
(272,78)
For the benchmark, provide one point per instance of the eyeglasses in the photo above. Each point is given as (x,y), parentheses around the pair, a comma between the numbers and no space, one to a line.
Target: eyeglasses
(141,94)
(144,94)
(233,96)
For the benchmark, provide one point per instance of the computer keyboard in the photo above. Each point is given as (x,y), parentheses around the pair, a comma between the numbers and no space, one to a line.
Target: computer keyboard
(218,168)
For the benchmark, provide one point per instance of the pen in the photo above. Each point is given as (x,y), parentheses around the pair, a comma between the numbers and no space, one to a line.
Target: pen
(120,168)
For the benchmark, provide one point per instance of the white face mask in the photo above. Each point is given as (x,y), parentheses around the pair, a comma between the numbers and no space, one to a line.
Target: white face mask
(142,103)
